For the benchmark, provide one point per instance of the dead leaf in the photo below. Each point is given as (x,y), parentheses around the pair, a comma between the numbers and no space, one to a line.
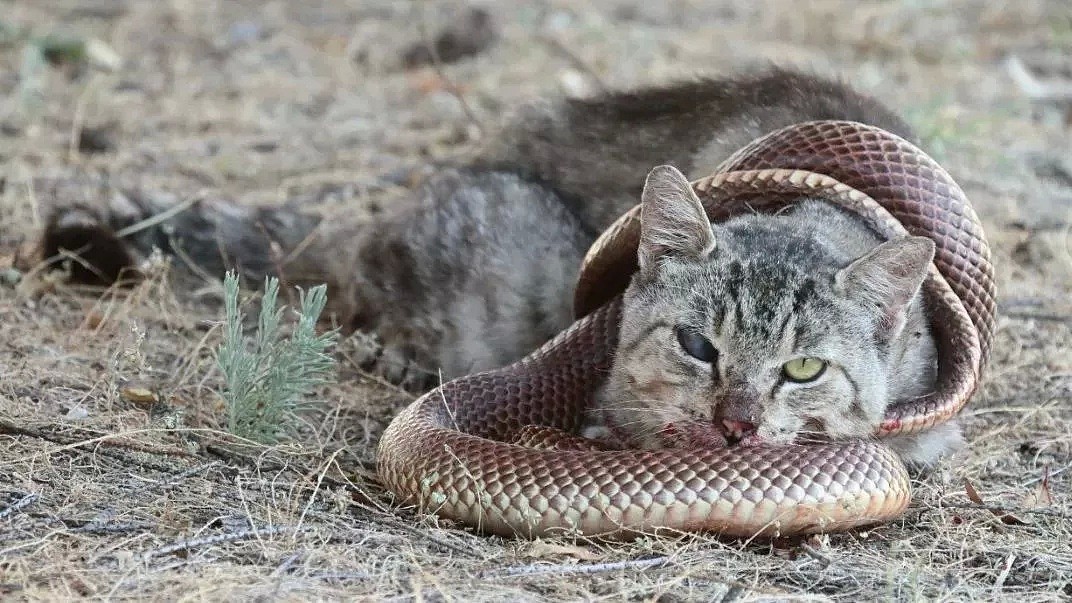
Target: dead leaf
(973,494)
(1041,496)
(540,549)
(93,320)
(1010,519)
(1002,515)
(139,393)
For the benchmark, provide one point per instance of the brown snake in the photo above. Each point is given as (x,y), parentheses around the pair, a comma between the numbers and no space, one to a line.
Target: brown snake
(464,450)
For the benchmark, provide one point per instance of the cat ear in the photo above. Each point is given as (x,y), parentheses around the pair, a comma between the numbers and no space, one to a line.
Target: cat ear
(889,277)
(672,220)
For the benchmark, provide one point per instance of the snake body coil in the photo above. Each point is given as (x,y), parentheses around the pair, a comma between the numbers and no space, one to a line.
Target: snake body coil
(454,452)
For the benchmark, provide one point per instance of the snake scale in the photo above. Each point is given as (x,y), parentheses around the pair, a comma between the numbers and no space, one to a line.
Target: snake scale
(481,449)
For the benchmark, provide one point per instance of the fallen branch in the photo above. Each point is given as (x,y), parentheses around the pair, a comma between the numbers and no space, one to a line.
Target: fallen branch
(563,569)
(19,505)
(195,543)
(112,440)
(997,510)
(451,87)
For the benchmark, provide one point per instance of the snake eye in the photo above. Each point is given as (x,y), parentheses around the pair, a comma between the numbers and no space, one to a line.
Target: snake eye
(696,345)
(802,370)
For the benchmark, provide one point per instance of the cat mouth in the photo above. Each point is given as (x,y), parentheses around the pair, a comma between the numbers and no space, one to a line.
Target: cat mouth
(739,432)
(716,433)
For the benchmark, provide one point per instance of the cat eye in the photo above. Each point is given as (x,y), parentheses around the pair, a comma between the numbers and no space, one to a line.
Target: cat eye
(802,370)
(696,345)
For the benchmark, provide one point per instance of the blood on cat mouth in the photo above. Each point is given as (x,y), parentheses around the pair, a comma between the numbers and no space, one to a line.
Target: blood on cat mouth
(739,432)
(710,434)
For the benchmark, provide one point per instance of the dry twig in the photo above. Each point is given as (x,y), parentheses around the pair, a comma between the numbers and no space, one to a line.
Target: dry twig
(19,505)
(452,88)
(563,569)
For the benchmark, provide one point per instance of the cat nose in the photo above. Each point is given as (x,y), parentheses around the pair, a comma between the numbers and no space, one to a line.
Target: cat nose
(739,403)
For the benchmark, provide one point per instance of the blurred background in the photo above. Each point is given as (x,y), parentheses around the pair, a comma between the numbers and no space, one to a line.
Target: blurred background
(268,100)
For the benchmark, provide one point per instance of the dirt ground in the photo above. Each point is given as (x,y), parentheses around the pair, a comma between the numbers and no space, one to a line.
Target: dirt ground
(104,495)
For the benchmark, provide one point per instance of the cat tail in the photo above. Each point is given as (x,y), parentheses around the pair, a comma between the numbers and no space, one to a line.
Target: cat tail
(109,242)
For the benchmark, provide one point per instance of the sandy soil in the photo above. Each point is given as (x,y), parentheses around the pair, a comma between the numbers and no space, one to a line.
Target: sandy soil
(102,496)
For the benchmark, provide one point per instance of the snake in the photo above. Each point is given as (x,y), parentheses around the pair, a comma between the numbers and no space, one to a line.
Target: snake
(493,450)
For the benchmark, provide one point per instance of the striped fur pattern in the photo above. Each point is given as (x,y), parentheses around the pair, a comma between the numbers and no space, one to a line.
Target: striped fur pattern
(764,290)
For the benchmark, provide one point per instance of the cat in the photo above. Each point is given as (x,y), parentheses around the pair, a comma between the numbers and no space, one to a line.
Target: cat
(763,330)
(476,268)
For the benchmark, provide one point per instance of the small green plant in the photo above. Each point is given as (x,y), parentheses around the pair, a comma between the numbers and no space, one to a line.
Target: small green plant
(266,386)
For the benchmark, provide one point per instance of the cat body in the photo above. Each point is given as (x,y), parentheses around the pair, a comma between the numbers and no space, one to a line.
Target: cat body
(476,268)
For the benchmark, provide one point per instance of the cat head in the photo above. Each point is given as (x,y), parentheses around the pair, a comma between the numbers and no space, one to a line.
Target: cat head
(765,328)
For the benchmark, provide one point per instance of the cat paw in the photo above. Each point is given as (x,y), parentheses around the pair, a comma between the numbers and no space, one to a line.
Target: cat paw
(395,364)
(364,349)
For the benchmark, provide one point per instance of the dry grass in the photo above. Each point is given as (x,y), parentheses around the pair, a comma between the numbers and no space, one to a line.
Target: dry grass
(105,497)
